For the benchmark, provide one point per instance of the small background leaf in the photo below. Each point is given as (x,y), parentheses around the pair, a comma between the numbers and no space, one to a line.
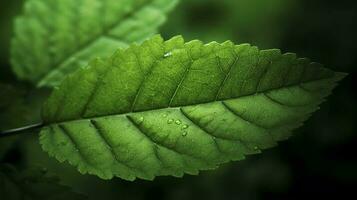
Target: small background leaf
(55,37)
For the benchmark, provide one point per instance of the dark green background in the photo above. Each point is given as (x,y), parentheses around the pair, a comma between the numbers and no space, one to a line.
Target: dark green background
(319,160)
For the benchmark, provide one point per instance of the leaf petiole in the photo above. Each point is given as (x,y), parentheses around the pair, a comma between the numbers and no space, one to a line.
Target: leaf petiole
(20,130)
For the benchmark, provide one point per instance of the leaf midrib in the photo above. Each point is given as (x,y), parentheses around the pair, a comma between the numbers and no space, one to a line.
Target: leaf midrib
(178,107)
(104,33)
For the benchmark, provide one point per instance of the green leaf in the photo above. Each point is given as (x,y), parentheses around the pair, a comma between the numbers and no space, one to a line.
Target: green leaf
(55,37)
(32,184)
(169,108)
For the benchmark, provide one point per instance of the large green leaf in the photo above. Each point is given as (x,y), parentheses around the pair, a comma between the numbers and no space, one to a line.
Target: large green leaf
(32,184)
(55,37)
(169,108)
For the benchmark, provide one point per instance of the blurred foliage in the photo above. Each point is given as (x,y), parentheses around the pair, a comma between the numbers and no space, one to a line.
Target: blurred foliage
(318,160)
(32,184)
(20,106)
(242,21)
(8,10)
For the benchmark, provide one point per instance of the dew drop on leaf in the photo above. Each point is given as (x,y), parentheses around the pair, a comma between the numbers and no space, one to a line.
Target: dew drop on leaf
(184,133)
(178,122)
(168,54)
(141,119)
(185,126)
(170,121)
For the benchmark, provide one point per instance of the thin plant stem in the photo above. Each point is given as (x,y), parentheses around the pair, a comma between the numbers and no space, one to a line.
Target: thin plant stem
(20,130)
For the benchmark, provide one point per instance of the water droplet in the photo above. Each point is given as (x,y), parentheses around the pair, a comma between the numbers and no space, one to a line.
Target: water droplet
(178,122)
(256,148)
(170,121)
(141,119)
(185,126)
(164,115)
(184,133)
(168,54)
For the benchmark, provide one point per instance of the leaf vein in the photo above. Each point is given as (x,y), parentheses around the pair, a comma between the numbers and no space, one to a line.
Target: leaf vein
(142,84)
(99,131)
(209,133)
(270,98)
(140,130)
(241,117)
(180,83)
(226,76)
(66,132)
